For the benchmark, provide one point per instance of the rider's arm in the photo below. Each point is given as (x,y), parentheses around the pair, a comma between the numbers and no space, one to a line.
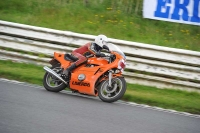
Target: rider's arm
(93,48)
(96,50)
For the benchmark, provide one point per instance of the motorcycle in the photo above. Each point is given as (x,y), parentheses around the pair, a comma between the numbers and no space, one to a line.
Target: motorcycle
(99,76)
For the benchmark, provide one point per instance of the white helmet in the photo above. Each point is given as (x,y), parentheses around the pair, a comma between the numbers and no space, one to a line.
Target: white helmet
(101,40)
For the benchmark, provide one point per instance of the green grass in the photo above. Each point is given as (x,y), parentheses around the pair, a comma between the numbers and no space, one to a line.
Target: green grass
(165,98)
(21,72)
(116,19)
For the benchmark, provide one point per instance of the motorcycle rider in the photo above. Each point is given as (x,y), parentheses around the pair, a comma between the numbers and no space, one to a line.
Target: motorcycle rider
(87,49)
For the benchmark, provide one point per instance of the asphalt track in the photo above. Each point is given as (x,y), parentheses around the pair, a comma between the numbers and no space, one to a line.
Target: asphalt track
(26,108)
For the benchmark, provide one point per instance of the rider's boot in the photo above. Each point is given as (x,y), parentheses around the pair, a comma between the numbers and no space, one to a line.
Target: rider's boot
(69,69)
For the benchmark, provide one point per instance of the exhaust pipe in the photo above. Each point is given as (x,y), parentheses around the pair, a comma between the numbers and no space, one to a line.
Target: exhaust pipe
(54,74)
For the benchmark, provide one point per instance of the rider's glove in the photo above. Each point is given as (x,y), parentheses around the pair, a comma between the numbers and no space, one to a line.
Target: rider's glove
(100,55)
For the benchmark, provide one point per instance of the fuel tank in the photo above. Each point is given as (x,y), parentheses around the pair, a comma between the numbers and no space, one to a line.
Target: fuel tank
(97,61)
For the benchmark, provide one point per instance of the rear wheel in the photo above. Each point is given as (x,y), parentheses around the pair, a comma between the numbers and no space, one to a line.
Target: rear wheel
(113,93)
(51,83)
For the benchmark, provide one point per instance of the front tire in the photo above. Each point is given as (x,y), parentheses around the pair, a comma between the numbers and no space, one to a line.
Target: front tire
(51,83)
(114,93)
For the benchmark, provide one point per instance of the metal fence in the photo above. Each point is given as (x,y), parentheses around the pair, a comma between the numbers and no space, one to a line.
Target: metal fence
(147,64)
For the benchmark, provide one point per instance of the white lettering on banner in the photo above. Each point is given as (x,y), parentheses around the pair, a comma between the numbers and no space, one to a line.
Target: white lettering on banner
(182,11)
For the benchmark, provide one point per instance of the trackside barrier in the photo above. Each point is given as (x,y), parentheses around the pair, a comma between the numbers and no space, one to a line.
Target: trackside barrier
(147,64)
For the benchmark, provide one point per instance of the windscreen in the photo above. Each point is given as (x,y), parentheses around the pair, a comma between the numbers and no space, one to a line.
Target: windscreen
(113,47)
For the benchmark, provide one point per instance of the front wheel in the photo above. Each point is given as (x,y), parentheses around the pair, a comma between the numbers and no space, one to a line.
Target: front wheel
(51,83)
(113,93)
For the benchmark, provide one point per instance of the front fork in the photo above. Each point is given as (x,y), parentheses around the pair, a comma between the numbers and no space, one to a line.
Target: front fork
(110,78)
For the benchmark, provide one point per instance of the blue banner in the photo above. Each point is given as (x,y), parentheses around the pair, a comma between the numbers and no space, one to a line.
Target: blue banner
(181,11)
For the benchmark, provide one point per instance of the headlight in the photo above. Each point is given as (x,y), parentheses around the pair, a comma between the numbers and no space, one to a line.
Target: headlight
(121,64)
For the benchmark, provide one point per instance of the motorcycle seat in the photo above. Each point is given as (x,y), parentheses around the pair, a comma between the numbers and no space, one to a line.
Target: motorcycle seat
(70,57)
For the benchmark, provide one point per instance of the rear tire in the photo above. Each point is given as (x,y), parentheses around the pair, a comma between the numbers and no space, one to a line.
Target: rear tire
(51,83)
(113,93)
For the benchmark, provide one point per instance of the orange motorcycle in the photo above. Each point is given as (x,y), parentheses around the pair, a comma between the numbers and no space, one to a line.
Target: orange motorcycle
(99,76)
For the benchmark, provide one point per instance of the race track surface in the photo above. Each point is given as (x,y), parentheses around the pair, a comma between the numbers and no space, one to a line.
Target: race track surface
(28,108)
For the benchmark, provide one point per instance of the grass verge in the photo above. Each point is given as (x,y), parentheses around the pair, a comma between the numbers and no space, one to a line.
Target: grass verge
(165,98)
